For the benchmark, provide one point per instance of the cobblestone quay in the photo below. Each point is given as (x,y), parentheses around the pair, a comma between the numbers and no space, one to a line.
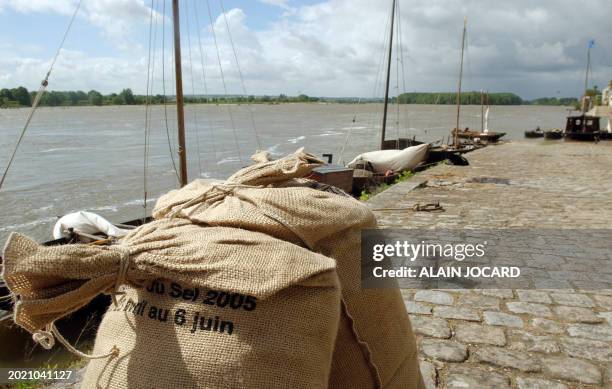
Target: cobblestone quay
(502,338)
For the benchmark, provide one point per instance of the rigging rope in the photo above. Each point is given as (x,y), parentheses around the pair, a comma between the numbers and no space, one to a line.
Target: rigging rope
(372,117)
(401,54)
(348,135)
(37,98)
(202,62)
(397,66)
(229,33)
(178,180)
(214,34)
(375,117)
(195,116)
(150,77)
(474,119)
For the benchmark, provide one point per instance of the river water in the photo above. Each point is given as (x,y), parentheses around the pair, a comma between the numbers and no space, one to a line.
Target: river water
(92,158)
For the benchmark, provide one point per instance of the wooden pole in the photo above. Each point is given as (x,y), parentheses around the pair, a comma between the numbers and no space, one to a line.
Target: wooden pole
(180,113)
(456,132)
(586,81)
(481,110)
(384,120)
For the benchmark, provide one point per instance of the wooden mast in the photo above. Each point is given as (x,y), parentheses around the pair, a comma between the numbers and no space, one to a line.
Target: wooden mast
(180,113)
(481,110)
(456,132)
(384,120)
(586,80)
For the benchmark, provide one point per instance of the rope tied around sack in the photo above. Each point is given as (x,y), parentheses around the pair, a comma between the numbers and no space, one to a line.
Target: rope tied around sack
(124,265)
(46,338)
(223,189)
(296,164)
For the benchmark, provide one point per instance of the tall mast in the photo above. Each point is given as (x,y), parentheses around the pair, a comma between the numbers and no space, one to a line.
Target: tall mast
(456,133)
(586,78)
(481,110)
(180,113)
(384,120)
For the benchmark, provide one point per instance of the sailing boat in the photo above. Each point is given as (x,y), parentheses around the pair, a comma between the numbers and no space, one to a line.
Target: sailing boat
(584,126)
(475,136)
(436,151)
(395,155)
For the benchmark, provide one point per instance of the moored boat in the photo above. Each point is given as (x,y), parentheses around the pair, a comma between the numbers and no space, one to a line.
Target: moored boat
(582,127)
(383,161)
(483,136)
(555,133)
(537,133)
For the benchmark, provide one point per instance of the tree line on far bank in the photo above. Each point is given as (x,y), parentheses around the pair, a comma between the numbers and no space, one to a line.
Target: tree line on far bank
(475,98)
(21,97)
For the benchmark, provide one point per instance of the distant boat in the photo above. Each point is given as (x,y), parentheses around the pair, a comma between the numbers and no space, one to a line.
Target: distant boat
(475,136)
(436,153)
(537,133)
(555,133)
(582,127)
(482,136)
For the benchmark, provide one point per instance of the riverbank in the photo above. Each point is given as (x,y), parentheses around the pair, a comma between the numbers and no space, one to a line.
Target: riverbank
(512,338)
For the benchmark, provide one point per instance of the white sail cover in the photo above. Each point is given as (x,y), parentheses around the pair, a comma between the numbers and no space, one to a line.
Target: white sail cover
(86,222)
(486,121)
(394,160)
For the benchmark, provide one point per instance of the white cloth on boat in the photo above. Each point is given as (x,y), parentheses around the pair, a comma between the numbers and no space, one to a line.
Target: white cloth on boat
(87,223)
(395,160)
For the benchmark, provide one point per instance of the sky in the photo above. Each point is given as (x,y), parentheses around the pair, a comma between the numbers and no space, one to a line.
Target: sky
(334,48)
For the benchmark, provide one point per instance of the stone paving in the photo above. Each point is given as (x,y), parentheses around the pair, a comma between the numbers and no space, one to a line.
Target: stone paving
(503,338)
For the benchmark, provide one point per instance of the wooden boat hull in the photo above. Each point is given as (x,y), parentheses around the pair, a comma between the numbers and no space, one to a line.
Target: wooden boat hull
(436,153)
(587,136)
(553,135)
(534,134)
(490,136)
(367,180)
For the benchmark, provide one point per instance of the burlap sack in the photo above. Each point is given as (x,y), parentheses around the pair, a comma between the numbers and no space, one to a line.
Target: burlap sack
(208,307)
(375,345)
(312,233)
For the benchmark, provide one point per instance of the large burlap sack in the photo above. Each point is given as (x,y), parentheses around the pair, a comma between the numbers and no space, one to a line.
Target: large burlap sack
(375,345)
(204,307)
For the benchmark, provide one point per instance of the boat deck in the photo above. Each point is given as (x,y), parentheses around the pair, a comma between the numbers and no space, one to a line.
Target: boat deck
(512,338)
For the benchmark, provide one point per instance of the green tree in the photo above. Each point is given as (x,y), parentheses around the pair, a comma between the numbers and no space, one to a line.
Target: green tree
(94,97)
(116,99)
(53,98)
(6,94)
(22,96)
(127,96)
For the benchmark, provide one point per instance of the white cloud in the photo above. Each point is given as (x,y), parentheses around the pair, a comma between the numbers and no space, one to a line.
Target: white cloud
(335,48)
(278,3)
(116,18)
(57,6)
